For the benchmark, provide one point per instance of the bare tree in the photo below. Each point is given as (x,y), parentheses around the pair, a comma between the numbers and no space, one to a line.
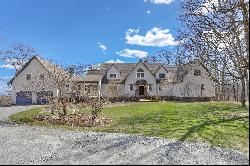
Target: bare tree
(168,57)
(215,32)
(18,54)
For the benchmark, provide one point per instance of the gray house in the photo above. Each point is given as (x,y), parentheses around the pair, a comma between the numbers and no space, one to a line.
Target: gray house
(140,80)
(150,79)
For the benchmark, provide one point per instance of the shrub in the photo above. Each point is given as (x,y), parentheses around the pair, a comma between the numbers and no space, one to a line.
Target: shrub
(96,106)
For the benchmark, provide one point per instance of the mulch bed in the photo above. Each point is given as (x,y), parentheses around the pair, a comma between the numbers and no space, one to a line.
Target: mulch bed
(75,120)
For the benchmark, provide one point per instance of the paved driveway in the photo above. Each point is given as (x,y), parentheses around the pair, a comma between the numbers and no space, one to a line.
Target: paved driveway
(22,144)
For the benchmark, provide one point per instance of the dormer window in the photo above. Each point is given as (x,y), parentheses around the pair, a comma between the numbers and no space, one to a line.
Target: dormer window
(112,75)
(140,73)
(197,72)
(162,76)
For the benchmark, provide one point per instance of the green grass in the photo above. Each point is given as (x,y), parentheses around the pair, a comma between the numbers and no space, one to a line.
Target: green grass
(218,123)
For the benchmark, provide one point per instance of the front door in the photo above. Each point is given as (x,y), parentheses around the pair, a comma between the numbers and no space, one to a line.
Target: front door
(141,90)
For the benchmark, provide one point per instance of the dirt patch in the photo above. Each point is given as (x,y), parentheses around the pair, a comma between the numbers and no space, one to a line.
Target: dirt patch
(76,120)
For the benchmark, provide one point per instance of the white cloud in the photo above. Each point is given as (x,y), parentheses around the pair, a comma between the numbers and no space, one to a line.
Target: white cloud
(148,12)
(159,1)
(132,53)
(7,66)
(154,37)
(17,62)
(115,61)
(102,46)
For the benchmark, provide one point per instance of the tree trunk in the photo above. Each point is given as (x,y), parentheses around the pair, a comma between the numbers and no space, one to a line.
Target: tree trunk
(247,85)
(234,92)
(64,107)
(222,86)
(243,92)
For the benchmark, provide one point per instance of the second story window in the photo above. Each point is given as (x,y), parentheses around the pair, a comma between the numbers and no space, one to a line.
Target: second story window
(162,76)
(28,77)
(112,75)
(140,73)
(197,72)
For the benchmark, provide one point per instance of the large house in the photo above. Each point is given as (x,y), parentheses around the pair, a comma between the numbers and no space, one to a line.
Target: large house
(139,80)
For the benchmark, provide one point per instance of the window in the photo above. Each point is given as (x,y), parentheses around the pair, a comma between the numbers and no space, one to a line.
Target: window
(79,87)
(87,87)
(140,73)
(197,72)
(28,76)
(202,87)
(162,75)
(94,87)
(130,87)
(90,88)
(41,77)
(112,75)
(150,87)
(160,87)
(67,87)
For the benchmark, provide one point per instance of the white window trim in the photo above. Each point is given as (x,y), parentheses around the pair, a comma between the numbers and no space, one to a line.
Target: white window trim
(150,85)
(112,74)
(140,73)
(130,87)
(164,75)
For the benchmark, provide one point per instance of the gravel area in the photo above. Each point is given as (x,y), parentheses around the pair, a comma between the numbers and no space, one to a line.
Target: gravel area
(23,144)
(5,112)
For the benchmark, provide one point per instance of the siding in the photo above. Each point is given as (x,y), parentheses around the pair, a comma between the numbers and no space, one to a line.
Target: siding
(35,84)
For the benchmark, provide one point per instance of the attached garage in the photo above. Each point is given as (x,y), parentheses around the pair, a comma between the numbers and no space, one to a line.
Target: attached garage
(43,97)
(24,98)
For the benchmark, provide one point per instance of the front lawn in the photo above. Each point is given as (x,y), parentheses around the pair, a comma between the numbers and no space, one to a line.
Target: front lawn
(218,123)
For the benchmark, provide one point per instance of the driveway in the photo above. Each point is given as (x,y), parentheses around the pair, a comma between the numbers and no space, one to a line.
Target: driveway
(22,144)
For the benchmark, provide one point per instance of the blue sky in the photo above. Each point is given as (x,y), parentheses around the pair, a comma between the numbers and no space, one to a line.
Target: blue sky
(89,31)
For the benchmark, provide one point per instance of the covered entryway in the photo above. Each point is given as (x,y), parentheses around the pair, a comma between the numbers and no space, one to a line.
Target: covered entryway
(141,91)
(24,98)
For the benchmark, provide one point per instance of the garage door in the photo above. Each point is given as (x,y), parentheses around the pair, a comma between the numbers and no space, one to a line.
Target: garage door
(24,98)
(43,97)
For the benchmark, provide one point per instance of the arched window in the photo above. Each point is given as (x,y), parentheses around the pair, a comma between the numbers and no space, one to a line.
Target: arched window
(140,73)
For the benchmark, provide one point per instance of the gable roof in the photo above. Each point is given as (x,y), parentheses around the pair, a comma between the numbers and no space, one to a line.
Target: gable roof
(125,68)
(150,70)
(114,66)
(52,68)
(161,66)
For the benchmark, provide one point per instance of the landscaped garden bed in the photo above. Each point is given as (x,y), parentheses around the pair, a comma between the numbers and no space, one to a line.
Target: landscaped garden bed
(75,120)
